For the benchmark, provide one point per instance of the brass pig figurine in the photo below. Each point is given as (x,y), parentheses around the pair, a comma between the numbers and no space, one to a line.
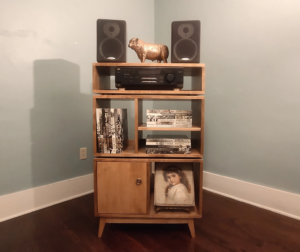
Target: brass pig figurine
(149,51)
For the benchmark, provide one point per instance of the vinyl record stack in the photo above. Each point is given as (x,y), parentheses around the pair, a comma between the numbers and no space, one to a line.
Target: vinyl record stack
(168,144)
(169,118)
(111,130)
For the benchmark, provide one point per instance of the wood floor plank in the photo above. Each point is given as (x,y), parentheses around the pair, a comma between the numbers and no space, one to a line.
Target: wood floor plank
(227,225)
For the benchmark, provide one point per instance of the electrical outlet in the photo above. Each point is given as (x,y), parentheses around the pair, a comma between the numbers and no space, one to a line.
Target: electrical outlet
(83,154)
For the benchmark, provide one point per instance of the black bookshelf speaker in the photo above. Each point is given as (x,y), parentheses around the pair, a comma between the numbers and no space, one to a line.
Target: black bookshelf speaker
(111,40)
(185,41)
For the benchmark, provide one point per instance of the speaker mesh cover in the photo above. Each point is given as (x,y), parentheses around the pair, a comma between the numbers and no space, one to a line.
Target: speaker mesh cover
(111,40)
(185,41)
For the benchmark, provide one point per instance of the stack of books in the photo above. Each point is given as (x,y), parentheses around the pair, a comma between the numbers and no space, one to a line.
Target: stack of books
(177,144)
(169,118)
(111,126)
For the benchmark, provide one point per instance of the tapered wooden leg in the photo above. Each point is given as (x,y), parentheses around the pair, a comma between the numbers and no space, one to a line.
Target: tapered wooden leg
(101,226)
(192,227)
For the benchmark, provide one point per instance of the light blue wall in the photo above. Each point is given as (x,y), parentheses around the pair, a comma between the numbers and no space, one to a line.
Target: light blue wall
(252,57)
(251,52)
(46,53)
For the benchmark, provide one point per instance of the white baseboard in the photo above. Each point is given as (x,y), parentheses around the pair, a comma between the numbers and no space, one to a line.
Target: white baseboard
(23,202)
(278,201)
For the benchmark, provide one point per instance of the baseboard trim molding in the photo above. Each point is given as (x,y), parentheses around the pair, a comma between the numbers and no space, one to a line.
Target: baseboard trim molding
(27,201)
(274,200)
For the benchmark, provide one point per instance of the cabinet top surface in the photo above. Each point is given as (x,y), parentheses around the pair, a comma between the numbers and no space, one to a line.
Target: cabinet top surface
(116,64)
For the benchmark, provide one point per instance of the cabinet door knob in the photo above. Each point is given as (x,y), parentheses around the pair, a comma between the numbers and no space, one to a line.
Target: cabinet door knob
(138,181)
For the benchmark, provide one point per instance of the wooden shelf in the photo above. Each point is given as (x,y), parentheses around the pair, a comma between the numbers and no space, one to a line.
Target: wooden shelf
(103,71)
(194,154)
(189,68)
(130,152)
(149,97)
(118,196)
(197,104)
(156,92)
(196,211)
(157,215)
(147,159)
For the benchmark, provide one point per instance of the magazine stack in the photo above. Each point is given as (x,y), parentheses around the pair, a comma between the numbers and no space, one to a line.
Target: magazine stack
(169,118)
(111,130)
(168,144)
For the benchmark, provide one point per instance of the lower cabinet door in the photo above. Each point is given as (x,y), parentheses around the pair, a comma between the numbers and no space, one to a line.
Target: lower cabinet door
(123,187)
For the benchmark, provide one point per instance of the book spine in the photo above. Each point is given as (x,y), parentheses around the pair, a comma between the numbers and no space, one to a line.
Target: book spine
(160,144)
(178,140)
(168,111)
(168,151)
(170,125)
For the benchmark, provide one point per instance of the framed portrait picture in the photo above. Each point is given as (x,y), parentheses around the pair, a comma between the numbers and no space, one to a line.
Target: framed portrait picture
(174,185)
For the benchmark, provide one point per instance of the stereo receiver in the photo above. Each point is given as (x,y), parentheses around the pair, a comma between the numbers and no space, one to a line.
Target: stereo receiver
(144,78)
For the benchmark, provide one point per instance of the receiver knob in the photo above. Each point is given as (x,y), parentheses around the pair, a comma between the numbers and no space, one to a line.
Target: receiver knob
(170,77)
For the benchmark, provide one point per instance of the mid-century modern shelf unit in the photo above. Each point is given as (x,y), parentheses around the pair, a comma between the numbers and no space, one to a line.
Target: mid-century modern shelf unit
(118,198)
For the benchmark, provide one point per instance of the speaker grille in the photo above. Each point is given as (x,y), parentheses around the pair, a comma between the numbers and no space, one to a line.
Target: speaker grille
(111,49)
(185,50)
(185,41)
(111,40)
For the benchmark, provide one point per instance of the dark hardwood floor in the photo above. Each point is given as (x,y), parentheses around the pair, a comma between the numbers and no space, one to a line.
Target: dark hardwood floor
(227,225)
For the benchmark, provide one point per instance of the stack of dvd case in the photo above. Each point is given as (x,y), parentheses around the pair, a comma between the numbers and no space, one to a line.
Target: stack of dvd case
(111,126)
(169,118)
(168,144)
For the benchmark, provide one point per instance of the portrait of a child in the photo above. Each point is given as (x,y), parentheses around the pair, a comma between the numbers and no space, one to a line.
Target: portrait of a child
(174,185)
(178,187)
